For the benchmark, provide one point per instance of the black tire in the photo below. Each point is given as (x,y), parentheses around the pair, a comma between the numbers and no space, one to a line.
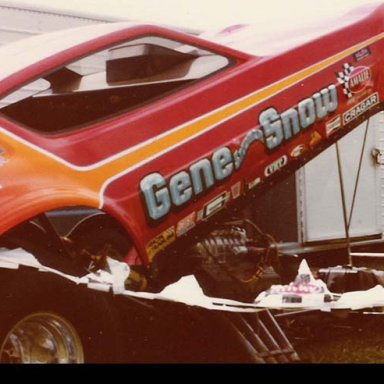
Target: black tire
(95,232)
(26,292)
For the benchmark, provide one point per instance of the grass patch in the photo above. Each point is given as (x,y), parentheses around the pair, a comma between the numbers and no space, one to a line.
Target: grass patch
(323,338)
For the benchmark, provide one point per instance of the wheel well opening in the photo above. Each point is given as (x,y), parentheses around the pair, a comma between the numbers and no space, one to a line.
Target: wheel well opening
(71,238)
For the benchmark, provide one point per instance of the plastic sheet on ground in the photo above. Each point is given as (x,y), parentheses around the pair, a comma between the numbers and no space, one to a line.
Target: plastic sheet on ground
(186,290)
(354,300)
(305,292)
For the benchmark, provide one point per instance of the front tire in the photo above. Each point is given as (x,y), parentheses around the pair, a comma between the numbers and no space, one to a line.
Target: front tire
(47,319)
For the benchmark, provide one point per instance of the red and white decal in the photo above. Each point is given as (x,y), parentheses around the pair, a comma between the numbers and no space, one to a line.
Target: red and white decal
(332,126)
(298,151)
(236,190)
(359,79)
(354,79)
(276,165)
(186,224)
(254,182)
(216,204)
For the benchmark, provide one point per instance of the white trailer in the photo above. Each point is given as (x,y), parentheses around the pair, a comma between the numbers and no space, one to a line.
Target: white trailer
(318,190)
(305,211)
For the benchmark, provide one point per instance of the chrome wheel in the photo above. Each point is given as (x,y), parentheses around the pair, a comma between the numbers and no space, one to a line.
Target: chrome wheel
(42,338)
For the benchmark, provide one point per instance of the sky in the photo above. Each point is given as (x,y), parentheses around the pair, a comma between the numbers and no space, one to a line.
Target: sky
(209,14)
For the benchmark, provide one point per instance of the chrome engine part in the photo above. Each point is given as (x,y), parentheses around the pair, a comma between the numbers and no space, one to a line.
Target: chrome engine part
(236,259)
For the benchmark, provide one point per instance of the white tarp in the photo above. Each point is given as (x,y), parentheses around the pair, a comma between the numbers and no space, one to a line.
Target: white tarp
(186,290)
(305,292)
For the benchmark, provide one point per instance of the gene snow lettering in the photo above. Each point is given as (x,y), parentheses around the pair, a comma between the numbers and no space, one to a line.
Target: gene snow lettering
(280,127)
(161,195)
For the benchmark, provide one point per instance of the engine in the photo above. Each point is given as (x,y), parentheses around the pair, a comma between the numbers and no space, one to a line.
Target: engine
(237,261)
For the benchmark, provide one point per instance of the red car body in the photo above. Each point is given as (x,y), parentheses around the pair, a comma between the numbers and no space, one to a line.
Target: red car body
(171,163)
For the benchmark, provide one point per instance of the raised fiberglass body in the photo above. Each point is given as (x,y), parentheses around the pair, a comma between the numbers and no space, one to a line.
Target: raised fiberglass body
(171,128)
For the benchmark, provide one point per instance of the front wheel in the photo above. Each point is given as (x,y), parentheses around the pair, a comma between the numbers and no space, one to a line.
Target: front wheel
(42,337)
(47,319)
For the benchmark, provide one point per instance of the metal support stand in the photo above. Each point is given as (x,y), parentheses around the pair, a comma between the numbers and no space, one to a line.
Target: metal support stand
(344,204)
(348,219)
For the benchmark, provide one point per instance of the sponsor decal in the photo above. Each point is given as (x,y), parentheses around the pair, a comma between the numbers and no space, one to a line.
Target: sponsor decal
(353,79)
(200,215)
(359,79)
(186,224)
(161,195)
(332,126)
(298,151)
(275,166)
(315,139)
(215,205)
(254,182)
(361,108)
(160,242)
(236,190)
(362,54)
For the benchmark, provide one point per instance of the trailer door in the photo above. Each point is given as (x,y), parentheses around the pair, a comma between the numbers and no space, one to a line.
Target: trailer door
(320,214)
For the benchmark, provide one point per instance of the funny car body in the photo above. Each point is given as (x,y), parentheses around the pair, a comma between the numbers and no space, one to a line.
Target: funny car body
(159,133)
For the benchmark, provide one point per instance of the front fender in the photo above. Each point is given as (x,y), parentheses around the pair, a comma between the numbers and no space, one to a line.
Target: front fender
(33,181)
(25,206)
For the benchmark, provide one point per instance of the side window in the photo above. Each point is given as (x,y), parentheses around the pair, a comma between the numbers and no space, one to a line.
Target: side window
(109,82)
